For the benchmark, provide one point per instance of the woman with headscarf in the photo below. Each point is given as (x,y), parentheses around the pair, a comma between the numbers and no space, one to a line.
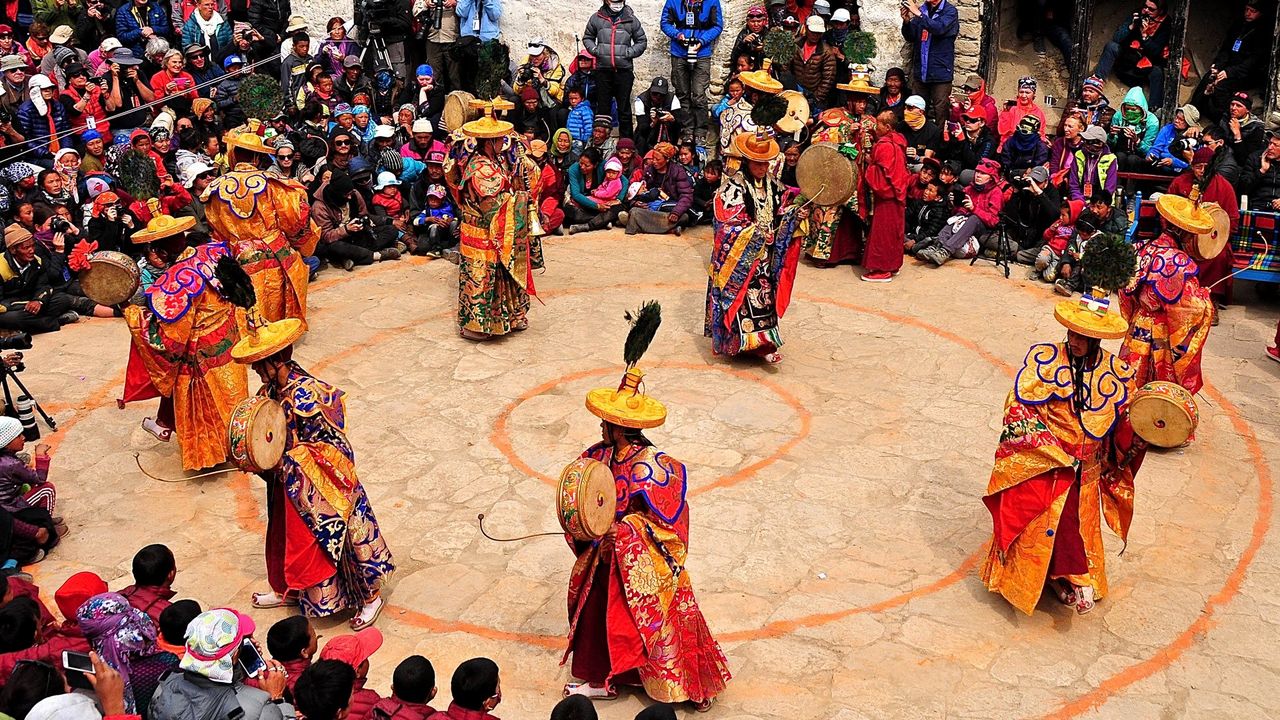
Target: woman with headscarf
(42,120)
(662,204)
(125,639)
(335,48)
(1015,110)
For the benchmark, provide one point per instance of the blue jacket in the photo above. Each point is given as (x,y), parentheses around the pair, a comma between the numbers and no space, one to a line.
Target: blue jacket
(129,32)
(934,58)
(580,121)
(1160,147)
(466,11)
(35,127)
(708,23)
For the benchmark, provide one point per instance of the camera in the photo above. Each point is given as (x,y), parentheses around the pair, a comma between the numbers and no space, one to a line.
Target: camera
(1182,146)
(58,224)
(1022,182)
(524,74)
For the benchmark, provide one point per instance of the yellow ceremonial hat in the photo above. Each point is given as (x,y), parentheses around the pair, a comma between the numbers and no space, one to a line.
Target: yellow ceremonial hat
(762,79)
(859,81)
(755,146)
(161,226)
(263,341)
(1184,213)
(488,126)
(626,405)
(1090,316)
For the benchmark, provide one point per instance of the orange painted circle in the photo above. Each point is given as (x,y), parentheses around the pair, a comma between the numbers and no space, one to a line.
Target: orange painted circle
(501,435)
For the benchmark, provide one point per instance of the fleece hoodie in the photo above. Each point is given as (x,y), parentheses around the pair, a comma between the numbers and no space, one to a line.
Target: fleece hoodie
(1147,126)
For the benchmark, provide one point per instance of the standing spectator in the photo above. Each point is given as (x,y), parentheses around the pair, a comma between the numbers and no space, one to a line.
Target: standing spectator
(582,75)
(1243,128)
(442,41)
(42,120)
(658,116)
(814,65)
(207,27)
(477,23)
(85,101)
(931,29)
(580,118)
(888,178)
(1238,64)
(1021,106)
(55,13)
(337,47)
(693,26)
(270,18)
(1096,172)
(137,21)
(293,69)
(127,90)
(38,44)
(892,95)
(750,40)
(614,36)
(1139,50)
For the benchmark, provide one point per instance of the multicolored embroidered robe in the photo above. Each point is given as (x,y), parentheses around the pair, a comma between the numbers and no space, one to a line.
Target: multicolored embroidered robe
(838,126)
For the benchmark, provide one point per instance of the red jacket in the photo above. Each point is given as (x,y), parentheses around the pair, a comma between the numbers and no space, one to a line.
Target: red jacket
(987,202)
(149,599)
(887,173)
(18,586)
(49,651)
(457,713)
(396,709)
(362,701)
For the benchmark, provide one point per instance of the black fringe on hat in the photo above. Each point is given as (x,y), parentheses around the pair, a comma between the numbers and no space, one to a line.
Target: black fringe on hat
(644,325)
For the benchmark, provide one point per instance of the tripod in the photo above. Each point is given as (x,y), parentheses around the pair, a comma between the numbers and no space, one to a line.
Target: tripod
(1005,244)
(378,48)
(8,374)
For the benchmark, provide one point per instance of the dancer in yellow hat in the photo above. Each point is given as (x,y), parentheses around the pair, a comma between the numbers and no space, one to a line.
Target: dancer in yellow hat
(633,618)
(1066,462)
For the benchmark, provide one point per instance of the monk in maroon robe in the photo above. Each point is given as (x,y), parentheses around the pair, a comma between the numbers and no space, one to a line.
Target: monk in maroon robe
(888,179)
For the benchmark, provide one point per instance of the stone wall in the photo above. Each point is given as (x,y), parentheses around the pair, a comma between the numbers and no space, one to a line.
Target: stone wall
(561,22)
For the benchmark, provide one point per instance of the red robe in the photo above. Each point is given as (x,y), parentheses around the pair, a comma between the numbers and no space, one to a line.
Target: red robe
(1215,269)
(888,178)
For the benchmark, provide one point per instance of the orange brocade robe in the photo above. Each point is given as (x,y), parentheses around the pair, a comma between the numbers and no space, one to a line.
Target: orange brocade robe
(631,605)
(181,350)
(267,222)
(1050,458)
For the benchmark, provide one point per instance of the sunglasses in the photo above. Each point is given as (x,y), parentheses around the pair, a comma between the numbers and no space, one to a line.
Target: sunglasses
(205,175)
(284,156)
(5,36)
(342,143)
(39,38)
(972,119)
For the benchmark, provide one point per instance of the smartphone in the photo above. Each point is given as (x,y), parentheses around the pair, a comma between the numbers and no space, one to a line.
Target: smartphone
(250,659)
(78,666)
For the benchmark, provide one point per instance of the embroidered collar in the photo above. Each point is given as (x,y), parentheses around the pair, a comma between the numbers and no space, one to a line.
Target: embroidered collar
(1046,375)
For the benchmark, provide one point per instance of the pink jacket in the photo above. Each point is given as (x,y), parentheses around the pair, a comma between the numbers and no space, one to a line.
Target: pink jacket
(986,202)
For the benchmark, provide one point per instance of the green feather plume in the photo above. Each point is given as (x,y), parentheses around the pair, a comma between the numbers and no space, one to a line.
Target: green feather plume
(644,325)
(779,46)
(1109,263)
(768,110)
(237,287)
(138,175)
(260,97)
(492,67)
(859,47)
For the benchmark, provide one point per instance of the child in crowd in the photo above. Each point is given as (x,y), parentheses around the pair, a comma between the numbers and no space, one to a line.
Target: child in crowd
(387,200)
(927,173)
(580,119)
(323,692)
(413,685)
(437,225)
(611,187)
(292,643)
(154,569)
(475,691)
(22,486)
(949,189)
(1108,219)
(1070,273)
(687,156)
(925,218)
(704,191)
(355,650)
(733,93)
(1056,238)
(172,635)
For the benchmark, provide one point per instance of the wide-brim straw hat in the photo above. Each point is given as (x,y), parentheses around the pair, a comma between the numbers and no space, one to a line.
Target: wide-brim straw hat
(161,227)
(626,405)
(859,85)
(249,141)
(263,341)
(761,79)
(1091,317)
(756,147)
(1184,213)
(487,128)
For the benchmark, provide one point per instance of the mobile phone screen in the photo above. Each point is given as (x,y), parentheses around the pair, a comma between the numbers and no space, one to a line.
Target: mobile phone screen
(250,659)
(79,662)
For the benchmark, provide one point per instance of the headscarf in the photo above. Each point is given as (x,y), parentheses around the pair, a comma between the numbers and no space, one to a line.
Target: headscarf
(913,117)
(1026,82)
(1026,137)
(199,105)
(78,588)
(118,633)
(100,205)
(665,149)
(212,638)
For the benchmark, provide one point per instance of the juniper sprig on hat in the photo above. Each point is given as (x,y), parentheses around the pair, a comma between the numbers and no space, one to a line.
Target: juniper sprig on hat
(768,111)
(780,46)
(259,96)
(859,47)
(1109,263)
(138,175)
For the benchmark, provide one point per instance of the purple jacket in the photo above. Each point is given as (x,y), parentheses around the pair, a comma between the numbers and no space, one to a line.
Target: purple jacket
(14,474)
(674,183)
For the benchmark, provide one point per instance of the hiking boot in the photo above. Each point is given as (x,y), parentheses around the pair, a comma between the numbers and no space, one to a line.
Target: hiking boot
(68,318)
(623,217)
(1062,288)
(579,228)
(391,254)
(348,264)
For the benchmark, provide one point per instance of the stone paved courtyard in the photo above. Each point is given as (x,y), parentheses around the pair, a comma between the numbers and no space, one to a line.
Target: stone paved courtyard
(836,514)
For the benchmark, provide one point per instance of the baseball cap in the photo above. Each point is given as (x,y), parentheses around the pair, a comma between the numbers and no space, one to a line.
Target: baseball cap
(6,28)
(351,61)
(659,85)
(384,131)
(60,35)
(916,102)
(1040,174)
(232,60)
(353,649)
(1094,133)
(110,44)
(422,125)
(435,157)
(435,191)
(815,23)
(840,15)
(972,82)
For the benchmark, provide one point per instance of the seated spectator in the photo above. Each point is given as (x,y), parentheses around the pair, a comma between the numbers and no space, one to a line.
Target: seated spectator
(207,28)
(1239,64)
(705,185)
(665,196)
(125,639)
(687,158)
(23,487)
(227,89)
(31,682)
(30,289)
(347,236)
(1025,149)
(610,188)
(1107,218)
(1262,176)
(51,640)
(1133,130)
(111,224)
(173,626)
(1096,170)
(1033,206)
(173,79)
(436,225)
(42,120)
(658,116)
(352,81)
(979,214)
(1139,50)
(355,650)
(632,163)
(925,217)
(204,71)
(1053,246)
(531,117)
(970,145)
(600,136)
(1243,129)
(1070,270)
(209,684)
(578,707)
(1023,105)
(892,95)
(580,118)
(733,91)
(582,212)
(413,685)
(1093,104)
(545,74)
(82,99)
(476,690)
(292,643)
(154,569)
(1186,124)
(1225,165)
(923,136)
(950,189)
(324,690)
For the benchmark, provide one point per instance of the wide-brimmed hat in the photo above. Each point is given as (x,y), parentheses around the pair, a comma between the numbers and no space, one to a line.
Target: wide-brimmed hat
(13,62)
(859,81)
(248,141)
(762,79)
(487,126)
(755,146)
(162,226)
(1091,316)
(1184,213)
(626,405)
(296,24)
(61,35)
(263,341)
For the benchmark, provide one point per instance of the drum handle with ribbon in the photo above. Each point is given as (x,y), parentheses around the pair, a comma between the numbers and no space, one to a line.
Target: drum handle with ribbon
(480,519)
(210,473)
